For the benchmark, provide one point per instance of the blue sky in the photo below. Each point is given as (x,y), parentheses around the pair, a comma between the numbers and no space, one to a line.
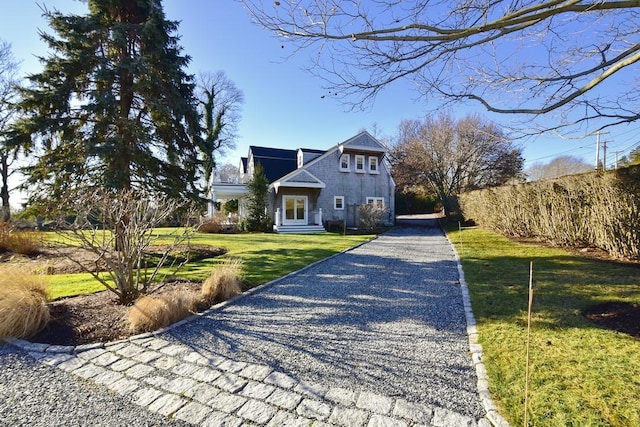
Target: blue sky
(283,104)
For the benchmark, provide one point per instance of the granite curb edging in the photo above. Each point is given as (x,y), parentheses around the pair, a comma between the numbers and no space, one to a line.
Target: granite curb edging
(476,348)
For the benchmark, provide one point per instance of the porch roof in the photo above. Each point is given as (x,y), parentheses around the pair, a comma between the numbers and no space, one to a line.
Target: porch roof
(299,179)
(227,191)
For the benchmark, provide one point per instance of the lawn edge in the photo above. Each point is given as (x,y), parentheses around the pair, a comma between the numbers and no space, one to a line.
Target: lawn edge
(475,347)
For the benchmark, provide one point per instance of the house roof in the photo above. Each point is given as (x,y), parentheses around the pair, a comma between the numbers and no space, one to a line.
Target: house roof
(299,178)
(279,163)
(276,162)
(362,142)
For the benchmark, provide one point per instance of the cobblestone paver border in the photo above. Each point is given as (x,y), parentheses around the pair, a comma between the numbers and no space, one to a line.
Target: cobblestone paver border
(205,389)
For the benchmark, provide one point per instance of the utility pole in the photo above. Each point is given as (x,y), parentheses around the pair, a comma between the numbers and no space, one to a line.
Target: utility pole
(604,144)
(597,149)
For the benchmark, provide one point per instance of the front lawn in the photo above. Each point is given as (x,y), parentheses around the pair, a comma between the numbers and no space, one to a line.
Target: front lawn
(265,256)
(581,374)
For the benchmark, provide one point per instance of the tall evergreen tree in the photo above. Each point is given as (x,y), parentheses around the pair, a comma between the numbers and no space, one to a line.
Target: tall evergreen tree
(113,107)
(257,216)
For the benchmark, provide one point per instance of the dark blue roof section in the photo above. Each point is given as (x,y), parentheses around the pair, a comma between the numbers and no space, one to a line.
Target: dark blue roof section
(276,162)
(276,153)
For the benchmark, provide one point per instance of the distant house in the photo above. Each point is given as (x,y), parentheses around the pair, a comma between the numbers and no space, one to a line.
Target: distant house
(310,189)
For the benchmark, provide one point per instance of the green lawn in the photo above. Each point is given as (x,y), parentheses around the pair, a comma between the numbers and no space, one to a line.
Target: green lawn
(581,374)
(266,256)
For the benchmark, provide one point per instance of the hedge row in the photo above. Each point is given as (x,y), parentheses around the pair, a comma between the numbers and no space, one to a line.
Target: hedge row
(598,209)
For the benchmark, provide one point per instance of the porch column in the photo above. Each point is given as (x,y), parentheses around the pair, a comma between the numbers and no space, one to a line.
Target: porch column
(212,205)
(277,219)
(319,216)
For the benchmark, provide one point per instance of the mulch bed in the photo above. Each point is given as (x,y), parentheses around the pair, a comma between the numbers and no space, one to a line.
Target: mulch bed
(619,316)
(97,317)
(94,318)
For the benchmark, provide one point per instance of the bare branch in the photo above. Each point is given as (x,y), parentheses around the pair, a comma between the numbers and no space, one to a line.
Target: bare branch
(527,57)
(118,229)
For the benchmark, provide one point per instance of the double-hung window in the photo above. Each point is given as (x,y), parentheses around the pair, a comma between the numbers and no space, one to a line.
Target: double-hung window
(378,202)
(373,165)
(360,164)
(344,163)
(338,203)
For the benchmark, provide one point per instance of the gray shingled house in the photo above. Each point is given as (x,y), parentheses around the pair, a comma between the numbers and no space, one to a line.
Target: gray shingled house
(312,189)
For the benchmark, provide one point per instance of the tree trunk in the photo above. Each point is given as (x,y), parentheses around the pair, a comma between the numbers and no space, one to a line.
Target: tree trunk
(5,210)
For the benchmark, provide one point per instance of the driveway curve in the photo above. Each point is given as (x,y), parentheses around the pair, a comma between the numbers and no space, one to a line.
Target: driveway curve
(385,317)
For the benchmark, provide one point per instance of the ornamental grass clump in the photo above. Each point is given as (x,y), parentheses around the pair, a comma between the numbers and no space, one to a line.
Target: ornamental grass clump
(27,243)
(150,313)
(223,282)
(23,303)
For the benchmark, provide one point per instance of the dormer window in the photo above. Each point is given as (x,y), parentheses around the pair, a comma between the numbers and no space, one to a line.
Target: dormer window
(360,164)
(344,163)
(373,165)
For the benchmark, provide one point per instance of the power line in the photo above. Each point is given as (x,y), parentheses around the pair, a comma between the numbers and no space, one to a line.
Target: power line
(562,152)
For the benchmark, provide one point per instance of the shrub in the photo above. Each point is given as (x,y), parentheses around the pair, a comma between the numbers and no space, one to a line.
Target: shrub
(118,227)
(213,224)
(23,303)
(5,231)
(415,203)
(223,282)
(230,207)
(151,313)
(371,217)
(219,223)
(599,210)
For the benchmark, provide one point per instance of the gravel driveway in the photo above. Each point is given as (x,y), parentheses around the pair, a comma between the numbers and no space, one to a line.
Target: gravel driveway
(380,327)
(386,317)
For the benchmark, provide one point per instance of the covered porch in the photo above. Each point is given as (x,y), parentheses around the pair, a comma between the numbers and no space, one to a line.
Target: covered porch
(295,205)
(222,192)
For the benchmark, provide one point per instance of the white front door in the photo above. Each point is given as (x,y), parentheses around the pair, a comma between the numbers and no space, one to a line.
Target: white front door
(295,210)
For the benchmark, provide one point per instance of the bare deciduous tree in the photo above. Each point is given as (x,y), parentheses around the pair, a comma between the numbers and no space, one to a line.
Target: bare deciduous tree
(560,166)
(220,100)
(8,97)
(527,57)
(227,172)
(98,213)
(446,157)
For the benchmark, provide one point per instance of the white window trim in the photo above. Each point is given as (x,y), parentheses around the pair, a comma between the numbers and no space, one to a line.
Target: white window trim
(375,171)
(360,157)
(348,158)
(373,201)
(335,205)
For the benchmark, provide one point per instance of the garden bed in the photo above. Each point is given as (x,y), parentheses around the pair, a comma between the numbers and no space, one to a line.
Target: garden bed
(95,317)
